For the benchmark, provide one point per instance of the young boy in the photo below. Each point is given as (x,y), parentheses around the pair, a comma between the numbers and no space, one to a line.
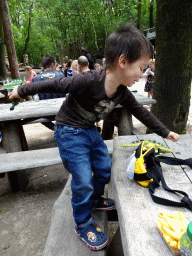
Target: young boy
(92,96)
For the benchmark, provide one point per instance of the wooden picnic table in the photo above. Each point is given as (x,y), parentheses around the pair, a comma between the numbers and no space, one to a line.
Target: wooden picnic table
(137,212)
(13,136)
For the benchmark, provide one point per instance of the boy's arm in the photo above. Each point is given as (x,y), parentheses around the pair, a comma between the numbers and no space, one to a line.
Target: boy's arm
(61,85)
(173,136)
(155,125)
(147,118)
(13,94)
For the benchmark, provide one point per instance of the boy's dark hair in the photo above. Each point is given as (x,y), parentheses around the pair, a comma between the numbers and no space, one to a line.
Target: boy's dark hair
(68,65)
(47,61)
(83,61)
(130,42)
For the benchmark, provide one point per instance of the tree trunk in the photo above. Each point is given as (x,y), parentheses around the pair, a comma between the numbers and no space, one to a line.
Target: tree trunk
(8,39)
(94,31)
(139,14)
(151,14)
(28,31)
(111,12)
(2,53)
(173,63)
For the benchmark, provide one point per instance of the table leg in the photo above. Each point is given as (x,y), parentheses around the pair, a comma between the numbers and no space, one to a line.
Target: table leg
(109,122)
(13,139)
(115,247)
(121,118)
(125,124)
(108,129)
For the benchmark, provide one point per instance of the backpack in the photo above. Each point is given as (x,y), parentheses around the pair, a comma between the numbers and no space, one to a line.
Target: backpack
(148,173)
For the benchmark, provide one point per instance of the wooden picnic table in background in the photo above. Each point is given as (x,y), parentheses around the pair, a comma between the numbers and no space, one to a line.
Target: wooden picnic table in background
(13,136)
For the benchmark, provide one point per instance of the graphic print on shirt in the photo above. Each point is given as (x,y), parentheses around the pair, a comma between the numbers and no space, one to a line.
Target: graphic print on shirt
(103,108)
(48,75)
(100,111)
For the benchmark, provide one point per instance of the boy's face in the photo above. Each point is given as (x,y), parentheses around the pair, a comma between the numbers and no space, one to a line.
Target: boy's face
(132,72)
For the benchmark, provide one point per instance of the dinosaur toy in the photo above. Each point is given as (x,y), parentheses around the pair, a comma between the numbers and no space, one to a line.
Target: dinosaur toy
(147,143)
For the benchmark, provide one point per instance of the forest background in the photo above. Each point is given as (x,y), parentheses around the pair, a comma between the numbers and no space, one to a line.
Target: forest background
(62,27)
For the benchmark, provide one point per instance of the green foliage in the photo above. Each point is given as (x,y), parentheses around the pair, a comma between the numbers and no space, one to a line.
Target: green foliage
(62,27)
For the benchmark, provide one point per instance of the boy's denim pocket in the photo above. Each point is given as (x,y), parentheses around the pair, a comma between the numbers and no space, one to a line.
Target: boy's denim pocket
(65,131)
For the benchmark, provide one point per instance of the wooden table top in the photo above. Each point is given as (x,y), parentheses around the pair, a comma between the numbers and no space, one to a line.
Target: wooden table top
(42,108)
(136,211)
(30,109)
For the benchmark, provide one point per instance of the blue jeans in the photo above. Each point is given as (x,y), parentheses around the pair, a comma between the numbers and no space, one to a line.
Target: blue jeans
(85,156)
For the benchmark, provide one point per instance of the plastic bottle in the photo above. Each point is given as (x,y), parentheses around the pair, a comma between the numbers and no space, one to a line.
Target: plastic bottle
(186,241)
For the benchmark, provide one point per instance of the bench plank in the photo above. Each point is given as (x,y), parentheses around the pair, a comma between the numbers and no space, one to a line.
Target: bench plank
(35,158)
(62,239)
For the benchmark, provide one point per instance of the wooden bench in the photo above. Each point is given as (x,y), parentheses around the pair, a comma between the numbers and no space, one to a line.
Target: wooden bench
(22,160)
(62,239)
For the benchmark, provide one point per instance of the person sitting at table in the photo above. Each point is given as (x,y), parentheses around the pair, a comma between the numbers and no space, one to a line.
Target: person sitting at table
(74,67)
(92,96)
(97,66)
(89,57)
(32,73)
(149,75)
(63,67)
(49,72)
(68,70)
(83,64)
(49,64)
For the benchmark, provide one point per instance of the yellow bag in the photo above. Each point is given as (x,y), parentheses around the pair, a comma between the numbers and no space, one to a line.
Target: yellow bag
(148,173)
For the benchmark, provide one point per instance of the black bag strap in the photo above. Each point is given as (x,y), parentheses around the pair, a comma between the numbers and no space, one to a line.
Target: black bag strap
(185,201)
(174,161)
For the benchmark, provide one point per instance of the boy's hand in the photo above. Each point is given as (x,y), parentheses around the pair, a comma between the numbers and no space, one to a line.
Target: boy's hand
(173,136)
(13,94)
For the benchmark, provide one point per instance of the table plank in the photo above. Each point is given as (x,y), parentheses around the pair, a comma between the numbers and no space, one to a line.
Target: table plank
(183,149)
(30,109)
(136,211)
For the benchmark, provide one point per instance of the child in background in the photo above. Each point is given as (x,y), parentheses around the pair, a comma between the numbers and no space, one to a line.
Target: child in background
(149,75)
(32,73)
(68,70)
(92,95)
(97,66)
(74,67)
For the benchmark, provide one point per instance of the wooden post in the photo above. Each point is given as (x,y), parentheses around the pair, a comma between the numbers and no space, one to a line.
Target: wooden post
(8,39)
(14,141)
(125,124)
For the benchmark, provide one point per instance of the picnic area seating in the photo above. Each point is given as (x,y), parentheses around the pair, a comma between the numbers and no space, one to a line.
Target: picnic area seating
(34,158)
(62,239)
